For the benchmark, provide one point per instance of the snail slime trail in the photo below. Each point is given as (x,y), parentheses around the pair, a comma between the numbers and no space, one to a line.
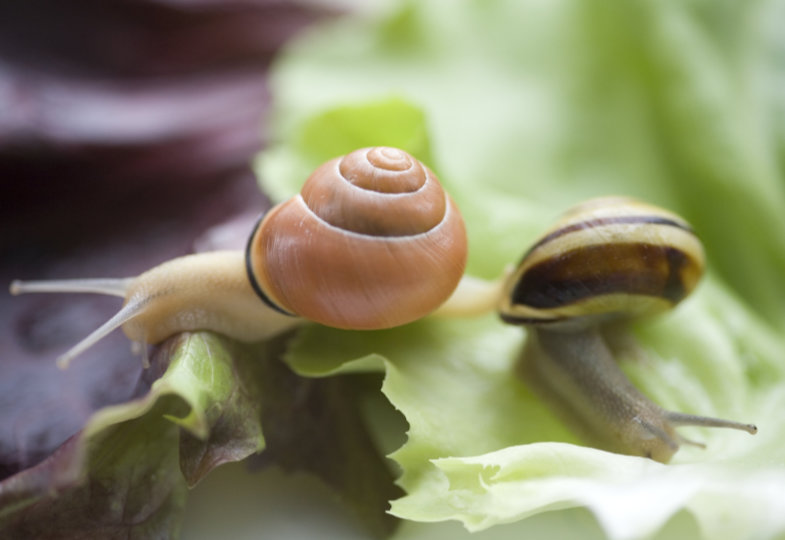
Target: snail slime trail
(380,204)
(607,260)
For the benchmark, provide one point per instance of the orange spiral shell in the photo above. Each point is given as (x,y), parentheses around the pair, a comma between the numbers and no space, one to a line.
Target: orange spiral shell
(372,241)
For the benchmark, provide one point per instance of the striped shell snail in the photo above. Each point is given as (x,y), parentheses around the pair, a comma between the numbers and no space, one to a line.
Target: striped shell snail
(372,241)
(607,260)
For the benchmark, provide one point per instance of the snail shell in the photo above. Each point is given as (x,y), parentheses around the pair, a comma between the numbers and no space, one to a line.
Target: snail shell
(608,257)
(372,241)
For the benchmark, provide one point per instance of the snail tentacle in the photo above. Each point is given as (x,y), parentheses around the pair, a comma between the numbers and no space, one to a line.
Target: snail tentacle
(126,314)
(107,286)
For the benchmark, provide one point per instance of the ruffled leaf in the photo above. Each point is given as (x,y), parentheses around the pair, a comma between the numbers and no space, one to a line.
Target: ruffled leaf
(122,474)
(321,427)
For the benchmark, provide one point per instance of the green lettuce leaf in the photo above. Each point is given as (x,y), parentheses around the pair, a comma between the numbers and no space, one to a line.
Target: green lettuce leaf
(731,487)
(526,108)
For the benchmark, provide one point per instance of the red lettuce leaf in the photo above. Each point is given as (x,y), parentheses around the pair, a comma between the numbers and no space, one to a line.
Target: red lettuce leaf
(126,130)
(320,426)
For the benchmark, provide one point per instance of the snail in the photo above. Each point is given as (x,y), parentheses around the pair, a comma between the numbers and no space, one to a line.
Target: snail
(372,241)
(607,261)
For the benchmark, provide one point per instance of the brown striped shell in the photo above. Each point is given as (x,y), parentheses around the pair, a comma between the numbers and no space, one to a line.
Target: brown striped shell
(607,257)
(372,241)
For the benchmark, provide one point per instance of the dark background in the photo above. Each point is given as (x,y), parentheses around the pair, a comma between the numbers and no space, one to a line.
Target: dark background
(126,133)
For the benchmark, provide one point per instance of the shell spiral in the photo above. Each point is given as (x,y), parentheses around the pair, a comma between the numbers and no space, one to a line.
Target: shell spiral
(372,241)
(607,257)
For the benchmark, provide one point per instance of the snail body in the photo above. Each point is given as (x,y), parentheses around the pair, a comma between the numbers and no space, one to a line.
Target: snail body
(372,241)
(607,261)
